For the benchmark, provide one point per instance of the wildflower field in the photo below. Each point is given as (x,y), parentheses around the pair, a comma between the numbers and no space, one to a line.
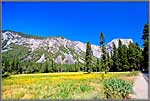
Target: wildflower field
(68,85)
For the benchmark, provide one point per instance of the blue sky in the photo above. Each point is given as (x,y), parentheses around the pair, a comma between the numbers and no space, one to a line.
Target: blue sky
(80,21)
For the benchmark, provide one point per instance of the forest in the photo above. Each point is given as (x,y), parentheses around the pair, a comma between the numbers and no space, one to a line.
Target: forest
(123,58)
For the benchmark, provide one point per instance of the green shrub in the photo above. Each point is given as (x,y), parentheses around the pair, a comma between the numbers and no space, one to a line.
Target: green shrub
(6,74)
(85,88)
(117,89)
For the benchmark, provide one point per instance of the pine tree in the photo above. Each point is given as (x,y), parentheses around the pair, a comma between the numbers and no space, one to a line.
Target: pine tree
(52,65)
(120,56)
(109,62)
(6,67)
(124,59)
(115,59)
(103,48)
(88,57)
(139,57)
(145,37)
(97,65)
(20,67)
(132,56)
(46,67)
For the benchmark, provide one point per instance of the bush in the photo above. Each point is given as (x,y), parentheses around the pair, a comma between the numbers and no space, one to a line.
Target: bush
(6,74)
(117,89)
(125,67)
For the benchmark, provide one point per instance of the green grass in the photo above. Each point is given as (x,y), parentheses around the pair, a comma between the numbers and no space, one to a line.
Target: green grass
(58,85)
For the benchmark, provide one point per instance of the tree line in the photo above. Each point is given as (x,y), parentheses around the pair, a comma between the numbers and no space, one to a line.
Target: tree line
(121,58)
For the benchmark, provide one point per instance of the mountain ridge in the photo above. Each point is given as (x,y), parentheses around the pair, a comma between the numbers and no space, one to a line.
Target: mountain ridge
(60,49)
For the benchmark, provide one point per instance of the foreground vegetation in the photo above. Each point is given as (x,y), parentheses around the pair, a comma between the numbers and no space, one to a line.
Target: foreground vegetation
(79,85)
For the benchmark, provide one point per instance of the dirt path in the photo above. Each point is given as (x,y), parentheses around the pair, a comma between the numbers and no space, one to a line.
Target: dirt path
(140,88)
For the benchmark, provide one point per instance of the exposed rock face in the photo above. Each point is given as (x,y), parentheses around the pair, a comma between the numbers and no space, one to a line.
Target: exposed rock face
(72,51)
(116,42)
(42,59)
(59,59)
(68,59)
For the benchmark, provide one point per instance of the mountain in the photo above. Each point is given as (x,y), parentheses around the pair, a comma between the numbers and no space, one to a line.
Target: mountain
(126,42)
(39,49)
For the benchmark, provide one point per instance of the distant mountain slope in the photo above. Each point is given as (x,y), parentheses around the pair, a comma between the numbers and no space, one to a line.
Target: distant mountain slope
(39,49)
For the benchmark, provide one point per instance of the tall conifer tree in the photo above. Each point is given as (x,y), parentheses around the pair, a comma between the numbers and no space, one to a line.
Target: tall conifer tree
(88,57)
(103,48)
(145,37)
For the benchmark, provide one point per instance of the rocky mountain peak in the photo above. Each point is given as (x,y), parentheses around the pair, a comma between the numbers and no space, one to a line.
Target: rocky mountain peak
(116,42)
(62,49)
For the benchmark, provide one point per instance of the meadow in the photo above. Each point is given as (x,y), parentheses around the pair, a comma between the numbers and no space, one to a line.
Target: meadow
(66,85)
